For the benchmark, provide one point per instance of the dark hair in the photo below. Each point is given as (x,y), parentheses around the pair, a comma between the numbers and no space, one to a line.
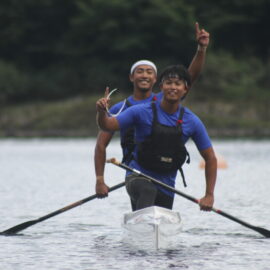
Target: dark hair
(175,71)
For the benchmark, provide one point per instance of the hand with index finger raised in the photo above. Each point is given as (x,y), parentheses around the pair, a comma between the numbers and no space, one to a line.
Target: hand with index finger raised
(107,95)
(202,36)
(197,29)
(106,92)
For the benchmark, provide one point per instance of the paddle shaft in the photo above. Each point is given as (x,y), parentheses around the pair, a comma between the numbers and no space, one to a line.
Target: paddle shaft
(262,231)
(24,225)
(75,204)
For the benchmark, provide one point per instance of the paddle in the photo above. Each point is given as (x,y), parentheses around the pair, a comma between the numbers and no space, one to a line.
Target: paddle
(262,231)
(24,225)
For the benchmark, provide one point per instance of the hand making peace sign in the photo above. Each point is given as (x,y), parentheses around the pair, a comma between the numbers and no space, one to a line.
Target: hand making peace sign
(103,103)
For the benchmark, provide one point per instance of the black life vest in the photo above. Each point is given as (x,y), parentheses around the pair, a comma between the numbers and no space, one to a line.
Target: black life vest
(128,141)
(163,151)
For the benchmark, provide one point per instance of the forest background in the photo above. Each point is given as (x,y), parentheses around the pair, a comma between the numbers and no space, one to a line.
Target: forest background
(57,57)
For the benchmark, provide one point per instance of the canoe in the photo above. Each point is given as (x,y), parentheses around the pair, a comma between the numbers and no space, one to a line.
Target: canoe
(152,228)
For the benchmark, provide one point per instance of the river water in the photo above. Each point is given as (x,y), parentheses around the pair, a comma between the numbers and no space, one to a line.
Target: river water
(40,176)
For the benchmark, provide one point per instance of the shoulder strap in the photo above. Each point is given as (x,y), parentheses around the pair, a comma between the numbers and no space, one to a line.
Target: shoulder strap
(128,103)
(182,172)
(154,109)
(183,177)
(181,114)
(180,121)
(180,117)
(154,98)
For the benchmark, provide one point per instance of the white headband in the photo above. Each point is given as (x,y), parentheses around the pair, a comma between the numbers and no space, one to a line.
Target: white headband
(143,62)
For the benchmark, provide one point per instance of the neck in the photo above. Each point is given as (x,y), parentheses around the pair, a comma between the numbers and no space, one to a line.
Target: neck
(169,107)
(140,94)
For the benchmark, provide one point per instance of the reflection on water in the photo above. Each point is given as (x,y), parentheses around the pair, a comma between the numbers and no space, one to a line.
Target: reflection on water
(41,176)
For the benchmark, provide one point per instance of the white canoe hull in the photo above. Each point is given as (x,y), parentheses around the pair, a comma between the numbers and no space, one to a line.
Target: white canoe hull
(152,227)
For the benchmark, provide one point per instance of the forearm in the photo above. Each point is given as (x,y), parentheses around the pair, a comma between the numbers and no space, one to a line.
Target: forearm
(210,175)
(100,159)
(197,63)
(206,203)
(103,139)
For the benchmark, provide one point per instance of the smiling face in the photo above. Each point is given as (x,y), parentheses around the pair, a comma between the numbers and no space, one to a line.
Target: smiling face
(175,83)
(173,89)
(143,77)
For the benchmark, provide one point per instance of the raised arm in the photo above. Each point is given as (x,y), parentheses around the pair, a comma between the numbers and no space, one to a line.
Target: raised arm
(197,63)
(206,203)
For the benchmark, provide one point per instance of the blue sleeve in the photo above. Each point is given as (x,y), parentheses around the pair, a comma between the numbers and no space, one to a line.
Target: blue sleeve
(128,117)
(200,136)
(115,108)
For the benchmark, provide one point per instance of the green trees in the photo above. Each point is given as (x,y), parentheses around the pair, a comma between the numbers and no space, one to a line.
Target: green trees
(53,49)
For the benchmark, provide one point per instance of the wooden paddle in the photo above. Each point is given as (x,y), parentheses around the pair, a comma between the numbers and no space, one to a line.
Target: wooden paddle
(262,231)
(24,225)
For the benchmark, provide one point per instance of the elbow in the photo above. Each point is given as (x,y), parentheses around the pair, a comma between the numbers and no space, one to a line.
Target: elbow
(101,126)
(105,126)
(212,158)
(105,129)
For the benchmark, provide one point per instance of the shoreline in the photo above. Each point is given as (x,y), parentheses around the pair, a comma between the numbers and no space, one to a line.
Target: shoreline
(75,117)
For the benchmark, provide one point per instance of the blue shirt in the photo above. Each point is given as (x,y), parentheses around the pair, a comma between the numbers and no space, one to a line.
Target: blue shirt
(141,117)
(115,109)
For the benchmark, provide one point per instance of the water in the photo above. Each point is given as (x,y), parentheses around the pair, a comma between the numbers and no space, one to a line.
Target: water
(40,176)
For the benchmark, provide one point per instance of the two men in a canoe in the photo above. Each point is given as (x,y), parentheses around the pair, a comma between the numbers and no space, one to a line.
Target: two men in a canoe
(162,128)
(143,75)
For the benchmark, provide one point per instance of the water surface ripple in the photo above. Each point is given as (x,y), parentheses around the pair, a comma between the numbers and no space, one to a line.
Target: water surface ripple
(40,176)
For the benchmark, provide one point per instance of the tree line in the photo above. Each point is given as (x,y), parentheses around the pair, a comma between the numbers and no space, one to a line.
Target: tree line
(53,49)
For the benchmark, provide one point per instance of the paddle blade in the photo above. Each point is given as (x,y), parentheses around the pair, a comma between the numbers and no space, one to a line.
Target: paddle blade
(262,231)
(22,226)
(19,227)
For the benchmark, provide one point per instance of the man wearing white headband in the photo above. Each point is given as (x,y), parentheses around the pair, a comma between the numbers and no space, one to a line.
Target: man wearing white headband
(143,62)
(143,76)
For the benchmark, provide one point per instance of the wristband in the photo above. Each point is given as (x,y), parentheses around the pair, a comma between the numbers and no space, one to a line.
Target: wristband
(201,48)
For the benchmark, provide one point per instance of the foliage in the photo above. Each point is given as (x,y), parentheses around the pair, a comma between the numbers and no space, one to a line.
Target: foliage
(52,49)
(236,25)
(13,83)
(226,78)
